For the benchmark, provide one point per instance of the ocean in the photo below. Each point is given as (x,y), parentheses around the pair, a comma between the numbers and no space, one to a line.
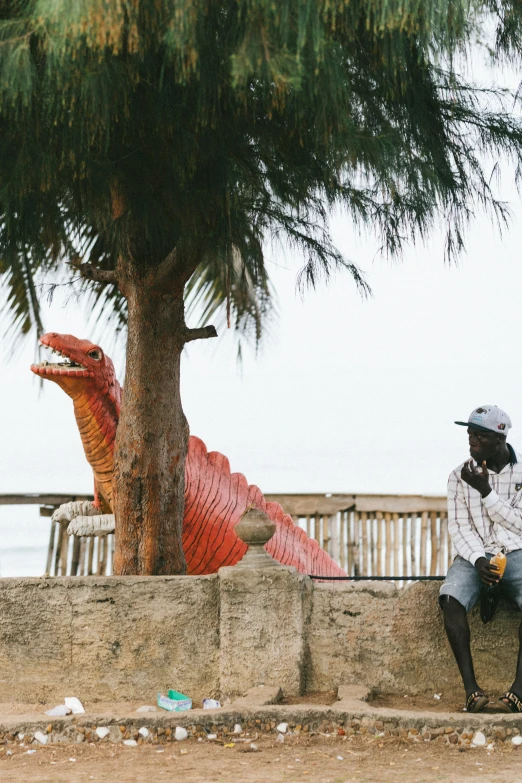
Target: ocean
(24,540)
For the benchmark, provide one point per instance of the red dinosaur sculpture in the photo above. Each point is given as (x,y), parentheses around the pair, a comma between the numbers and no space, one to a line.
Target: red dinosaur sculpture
(215,498)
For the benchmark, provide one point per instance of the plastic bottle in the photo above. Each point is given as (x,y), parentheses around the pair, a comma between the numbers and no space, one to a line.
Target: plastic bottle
(499,562)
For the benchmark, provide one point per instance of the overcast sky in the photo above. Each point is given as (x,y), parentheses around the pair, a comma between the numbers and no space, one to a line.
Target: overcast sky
(346,395)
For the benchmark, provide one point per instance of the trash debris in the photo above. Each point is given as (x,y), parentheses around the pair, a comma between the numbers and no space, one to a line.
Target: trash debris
(280,738)
(282,728)
(102,731)
(42,738)
(74,704)
(60,711)
(30,751)
(228,745)
(211,704)
(238,729)
(183,753)
(174,701)
(211,736)
(21,736)
(144,732)
(517,739)
(437,695)
(479,739)
(130,743)
(72,759)
(180,733)
(9,753)
(147,708)
(341,758)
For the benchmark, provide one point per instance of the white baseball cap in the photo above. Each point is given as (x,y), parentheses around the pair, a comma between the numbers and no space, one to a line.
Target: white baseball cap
(489,418)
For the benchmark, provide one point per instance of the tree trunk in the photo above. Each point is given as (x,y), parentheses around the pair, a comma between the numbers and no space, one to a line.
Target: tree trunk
(152,438)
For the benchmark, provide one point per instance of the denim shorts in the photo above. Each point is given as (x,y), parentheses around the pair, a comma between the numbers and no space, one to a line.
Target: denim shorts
(463,582)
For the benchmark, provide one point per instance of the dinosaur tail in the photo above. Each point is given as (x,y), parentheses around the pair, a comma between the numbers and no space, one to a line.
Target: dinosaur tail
(215,500)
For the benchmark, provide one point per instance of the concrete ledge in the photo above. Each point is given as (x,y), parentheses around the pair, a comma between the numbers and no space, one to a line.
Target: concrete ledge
(452,728)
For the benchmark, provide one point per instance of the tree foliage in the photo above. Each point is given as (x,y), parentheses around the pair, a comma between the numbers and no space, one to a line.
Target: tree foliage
(209,126)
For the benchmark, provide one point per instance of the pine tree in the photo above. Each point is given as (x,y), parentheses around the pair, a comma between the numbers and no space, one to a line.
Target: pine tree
(152,146)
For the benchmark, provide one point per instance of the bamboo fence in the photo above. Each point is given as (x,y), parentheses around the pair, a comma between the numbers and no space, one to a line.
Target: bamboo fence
(367,535)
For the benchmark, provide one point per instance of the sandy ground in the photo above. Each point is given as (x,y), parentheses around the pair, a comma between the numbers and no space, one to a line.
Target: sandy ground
(315,759)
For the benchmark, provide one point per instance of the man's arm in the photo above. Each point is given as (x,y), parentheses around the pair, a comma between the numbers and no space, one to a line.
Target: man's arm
(507,513)
(466,540)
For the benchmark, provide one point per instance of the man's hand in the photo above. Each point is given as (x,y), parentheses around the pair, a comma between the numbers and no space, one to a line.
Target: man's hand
(488,573)
(478,479)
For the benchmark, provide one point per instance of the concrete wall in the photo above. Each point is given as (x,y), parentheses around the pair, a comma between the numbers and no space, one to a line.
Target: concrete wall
(114,638)
(394,640)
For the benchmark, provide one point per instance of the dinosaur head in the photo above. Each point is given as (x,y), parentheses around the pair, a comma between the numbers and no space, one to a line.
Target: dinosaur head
(81,363)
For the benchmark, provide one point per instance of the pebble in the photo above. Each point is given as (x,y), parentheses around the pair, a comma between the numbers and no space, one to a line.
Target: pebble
(280,738)
(211,736)
(517,739)
(282,728)
(42,738)
(180,733)
(131,743)
(479,739)
(102,731)
(144,731)
(238,729)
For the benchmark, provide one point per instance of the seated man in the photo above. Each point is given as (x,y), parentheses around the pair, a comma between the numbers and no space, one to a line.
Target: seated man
(484,517)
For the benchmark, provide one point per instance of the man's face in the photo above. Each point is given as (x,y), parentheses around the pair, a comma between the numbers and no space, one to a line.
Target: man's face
(482,445)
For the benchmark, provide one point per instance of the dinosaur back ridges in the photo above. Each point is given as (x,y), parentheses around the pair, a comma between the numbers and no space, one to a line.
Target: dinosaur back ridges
(215,500)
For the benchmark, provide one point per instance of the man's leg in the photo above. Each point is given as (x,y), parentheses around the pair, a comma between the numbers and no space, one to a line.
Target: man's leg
(516,687)
(457,630)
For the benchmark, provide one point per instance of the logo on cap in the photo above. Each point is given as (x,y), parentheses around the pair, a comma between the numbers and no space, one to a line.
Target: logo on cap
(501,426)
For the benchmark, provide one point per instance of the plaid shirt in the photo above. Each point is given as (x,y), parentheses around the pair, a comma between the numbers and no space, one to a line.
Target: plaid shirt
(478,525)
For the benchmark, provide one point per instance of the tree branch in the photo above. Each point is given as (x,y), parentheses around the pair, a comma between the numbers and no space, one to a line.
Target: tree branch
(90,272)
(202,333)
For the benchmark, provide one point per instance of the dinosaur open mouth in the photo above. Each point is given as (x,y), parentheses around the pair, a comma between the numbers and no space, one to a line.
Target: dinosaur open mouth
(66,367)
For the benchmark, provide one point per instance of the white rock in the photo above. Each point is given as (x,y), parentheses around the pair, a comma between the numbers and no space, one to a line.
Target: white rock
(42,738)
(147,708)
(130,743)
(280,738)
(282,728)
(517,739)
(490,747)
(211,736)
(21,736)
(479,739)
(238,729)
(102,731)
(60,711)
(144,731)
(180,733)
(75,705)
(30,751)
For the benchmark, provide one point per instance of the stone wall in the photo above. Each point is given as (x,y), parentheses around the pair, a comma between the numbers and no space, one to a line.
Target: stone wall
(393,640)
(114,638)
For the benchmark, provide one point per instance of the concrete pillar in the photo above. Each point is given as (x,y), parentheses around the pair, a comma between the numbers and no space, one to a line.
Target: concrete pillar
(264,610)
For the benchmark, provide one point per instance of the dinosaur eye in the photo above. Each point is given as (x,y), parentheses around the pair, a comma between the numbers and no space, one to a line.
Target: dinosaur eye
(95,354)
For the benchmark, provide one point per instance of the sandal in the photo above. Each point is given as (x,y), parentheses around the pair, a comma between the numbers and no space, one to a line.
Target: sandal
(476,701)
(508,702)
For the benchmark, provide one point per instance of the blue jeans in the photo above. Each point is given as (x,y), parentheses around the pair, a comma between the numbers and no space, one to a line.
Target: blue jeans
(463,582)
